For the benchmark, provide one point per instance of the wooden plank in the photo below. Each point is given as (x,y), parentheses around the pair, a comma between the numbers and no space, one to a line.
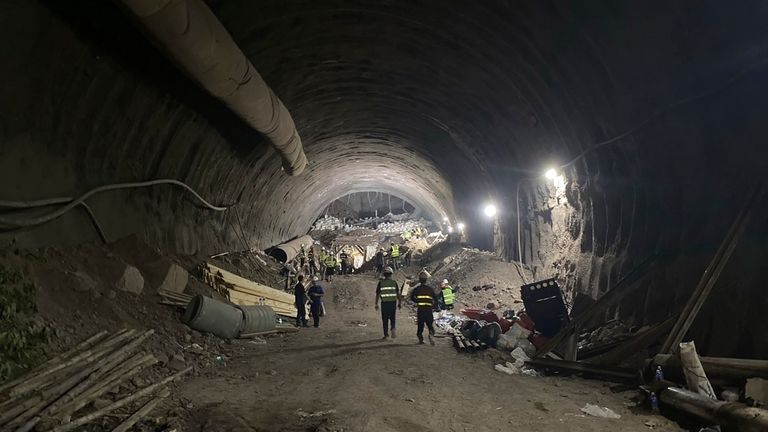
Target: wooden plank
(234,295)
(280,308)
(635,343)
(627,285)
(711,274)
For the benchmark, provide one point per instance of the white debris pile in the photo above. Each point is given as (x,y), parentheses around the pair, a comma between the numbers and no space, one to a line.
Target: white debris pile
(389,224)
(401,226)
(329,223)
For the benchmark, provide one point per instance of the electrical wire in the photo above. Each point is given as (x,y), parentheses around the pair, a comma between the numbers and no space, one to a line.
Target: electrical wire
(72,203)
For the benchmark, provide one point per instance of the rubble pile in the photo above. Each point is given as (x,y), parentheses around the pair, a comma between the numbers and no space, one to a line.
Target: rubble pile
(480,278)
(389,224)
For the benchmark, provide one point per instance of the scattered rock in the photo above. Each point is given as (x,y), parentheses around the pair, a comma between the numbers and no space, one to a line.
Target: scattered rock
(164,274)
(111,294)
(83,282)
(491,306)
(131,281)
(177,362)
(162,359)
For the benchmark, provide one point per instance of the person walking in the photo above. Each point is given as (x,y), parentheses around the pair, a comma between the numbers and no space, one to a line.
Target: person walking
(315,294)
(424,297)
(446,295)
(300,295)
(388,294)
(380,261)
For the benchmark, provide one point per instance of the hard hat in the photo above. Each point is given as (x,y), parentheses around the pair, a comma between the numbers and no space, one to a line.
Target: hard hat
(323,248)
(388,270)
(445,281)
(315,279)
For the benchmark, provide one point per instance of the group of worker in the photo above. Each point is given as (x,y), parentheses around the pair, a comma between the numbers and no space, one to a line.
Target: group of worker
(397,256)
(313,296)
(326,266)
(389,299)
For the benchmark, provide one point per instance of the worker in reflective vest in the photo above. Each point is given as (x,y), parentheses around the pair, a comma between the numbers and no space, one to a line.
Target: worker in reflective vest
(424,297)
(446,292)
(394,254)
(330,266)
(321,261)
(388,293)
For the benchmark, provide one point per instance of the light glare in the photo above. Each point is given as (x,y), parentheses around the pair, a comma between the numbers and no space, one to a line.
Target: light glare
(460,226)
(551,174)
(490,210)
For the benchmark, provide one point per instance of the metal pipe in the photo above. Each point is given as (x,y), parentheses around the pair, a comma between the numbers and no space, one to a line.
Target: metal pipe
(288,251)
(200,45)
(730,414)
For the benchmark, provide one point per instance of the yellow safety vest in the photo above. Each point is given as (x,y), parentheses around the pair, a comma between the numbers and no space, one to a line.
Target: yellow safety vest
(424,301)
(448,295)
(395,251)
(388,290)
(330,261)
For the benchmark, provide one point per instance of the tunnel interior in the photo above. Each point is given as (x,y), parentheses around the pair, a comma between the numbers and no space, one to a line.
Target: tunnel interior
(652,114)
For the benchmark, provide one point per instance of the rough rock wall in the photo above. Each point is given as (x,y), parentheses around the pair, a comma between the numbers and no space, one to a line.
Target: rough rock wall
(445,106)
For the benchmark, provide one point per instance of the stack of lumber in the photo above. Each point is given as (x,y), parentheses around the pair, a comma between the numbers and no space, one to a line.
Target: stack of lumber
(51,397)
(244,292)
(172,298)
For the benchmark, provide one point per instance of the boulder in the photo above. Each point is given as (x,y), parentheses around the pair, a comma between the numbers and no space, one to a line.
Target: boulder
(131,281)
(164,274)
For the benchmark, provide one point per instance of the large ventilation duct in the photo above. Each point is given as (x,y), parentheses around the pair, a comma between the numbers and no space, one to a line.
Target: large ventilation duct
(192,35)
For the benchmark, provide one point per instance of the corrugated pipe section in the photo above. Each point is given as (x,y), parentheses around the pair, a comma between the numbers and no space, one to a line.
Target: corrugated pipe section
(288,251)
(192,35)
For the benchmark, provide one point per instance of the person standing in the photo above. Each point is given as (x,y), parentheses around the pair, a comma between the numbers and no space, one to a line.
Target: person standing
(344,258)
(330,266)
(388,293)
(424,297)
(380,261)
(303,255)
(446,295)
(300,295)
(315,294)
(321,261)
(394,253)
(408,254)
(312,262)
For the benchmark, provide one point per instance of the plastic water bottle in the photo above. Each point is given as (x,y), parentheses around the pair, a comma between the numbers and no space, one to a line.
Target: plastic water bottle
(654,402)
(659,374)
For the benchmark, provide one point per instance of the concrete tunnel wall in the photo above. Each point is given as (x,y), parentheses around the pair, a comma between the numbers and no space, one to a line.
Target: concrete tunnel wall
(446,106)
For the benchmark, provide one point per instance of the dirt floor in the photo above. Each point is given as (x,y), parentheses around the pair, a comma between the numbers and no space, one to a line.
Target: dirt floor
(340,377)
(343,377)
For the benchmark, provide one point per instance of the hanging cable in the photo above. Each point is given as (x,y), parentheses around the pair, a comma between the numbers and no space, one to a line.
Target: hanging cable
(12,222)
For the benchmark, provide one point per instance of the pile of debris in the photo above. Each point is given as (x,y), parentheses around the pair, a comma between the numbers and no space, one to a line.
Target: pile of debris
(714,391)
(388,224)
(71,389)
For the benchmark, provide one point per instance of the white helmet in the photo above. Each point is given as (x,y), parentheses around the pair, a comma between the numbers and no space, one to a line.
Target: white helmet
(315,278)
(445,281)
(388,270)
